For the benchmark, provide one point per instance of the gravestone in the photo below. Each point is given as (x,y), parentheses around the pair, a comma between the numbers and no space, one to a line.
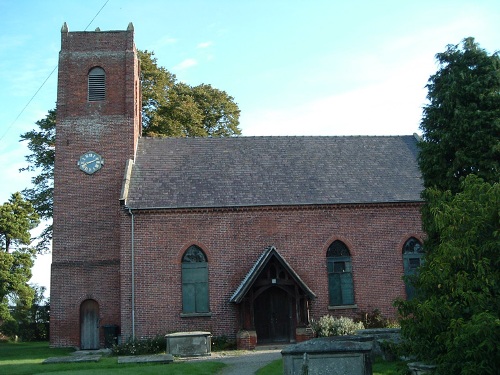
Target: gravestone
(337,355)
(189,344)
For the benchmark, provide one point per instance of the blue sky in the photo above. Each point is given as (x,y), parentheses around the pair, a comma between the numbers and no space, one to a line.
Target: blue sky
(317,67)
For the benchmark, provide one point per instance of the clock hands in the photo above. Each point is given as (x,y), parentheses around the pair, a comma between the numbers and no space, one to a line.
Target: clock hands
(89,162)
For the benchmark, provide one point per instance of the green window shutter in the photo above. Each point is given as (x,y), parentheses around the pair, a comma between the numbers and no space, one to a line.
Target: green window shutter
(340,285)
(347,288)
(188,298)
(411,262)
(202,297)
(335,290)
(195,287)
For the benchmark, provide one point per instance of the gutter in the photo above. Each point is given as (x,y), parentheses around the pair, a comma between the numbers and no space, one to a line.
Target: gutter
(132,250)
(123,203)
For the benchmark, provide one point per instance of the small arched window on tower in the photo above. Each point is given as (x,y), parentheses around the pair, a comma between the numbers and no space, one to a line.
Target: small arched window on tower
(340,285)
(413,257)
(194,281)
(97,85)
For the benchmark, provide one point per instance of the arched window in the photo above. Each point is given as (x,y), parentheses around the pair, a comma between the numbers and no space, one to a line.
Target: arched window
(194,281)
(340,285)
(97,84)
(413,254)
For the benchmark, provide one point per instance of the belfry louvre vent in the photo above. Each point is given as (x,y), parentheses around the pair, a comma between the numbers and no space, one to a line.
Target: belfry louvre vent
(97,85)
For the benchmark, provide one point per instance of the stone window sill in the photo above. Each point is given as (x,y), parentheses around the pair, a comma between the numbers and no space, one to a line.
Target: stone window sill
(196,315)
(342,307)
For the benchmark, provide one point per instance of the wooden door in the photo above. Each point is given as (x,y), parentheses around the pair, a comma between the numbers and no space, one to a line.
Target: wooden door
(272,316)
(89,325)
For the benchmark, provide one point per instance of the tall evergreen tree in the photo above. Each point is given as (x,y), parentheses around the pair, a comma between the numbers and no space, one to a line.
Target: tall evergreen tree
(454,320)
(17,218)
(461,122)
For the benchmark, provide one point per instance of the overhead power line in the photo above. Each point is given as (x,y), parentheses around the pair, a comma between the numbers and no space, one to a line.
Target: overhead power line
(46,79)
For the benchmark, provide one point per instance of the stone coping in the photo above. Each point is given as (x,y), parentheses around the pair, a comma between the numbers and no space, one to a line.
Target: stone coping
(333,344)
(155,358)
(73,359)
(188,334)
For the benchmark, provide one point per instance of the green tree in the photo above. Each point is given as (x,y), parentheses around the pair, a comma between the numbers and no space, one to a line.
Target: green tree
(454,318)
(41,143)
(169,109)
(32,321)
(461,122)
(17,218)
(156,82)
(176,109)
(454,321)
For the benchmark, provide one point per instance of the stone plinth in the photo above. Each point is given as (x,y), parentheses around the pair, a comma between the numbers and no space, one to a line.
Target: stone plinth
(381,336)
(303,334)
(338,355)
(189,344)
(246,340)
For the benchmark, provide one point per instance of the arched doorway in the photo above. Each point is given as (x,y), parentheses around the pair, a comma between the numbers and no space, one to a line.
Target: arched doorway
(273,316)
(89,325)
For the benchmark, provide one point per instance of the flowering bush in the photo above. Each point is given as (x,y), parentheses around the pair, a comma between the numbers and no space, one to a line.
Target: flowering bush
(329,326)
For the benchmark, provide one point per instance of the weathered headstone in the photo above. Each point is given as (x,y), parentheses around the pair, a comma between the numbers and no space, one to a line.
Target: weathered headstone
(337,355)
(189,344)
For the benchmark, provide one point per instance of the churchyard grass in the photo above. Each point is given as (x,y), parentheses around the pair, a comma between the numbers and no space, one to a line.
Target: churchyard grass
(26,359)
(380,367)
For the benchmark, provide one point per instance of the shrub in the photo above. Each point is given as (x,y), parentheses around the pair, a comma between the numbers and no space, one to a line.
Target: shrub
(9,328)
(329,326)
(153,345)
(220,343)
(375,319)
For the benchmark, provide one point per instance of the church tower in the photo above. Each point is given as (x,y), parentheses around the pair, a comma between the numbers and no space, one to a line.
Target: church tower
(98,124)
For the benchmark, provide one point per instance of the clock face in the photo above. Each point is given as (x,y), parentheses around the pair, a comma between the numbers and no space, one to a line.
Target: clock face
(90,162)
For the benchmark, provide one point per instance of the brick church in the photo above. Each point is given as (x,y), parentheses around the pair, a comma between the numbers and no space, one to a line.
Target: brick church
(244,237)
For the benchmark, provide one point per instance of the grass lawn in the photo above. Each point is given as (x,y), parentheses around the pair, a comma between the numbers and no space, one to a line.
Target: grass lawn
(26,359)
(380,367)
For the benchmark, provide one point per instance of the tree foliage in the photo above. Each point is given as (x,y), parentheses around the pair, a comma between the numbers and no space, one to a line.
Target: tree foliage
(31,322)
(454,320)
(176,109)
(169,109)
(461,123)
(17,218)
(41,143)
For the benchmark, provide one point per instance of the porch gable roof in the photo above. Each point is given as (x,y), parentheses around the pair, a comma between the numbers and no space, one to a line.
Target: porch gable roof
(258,267)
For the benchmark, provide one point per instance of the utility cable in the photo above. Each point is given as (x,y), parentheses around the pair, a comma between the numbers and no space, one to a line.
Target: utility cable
(46,79)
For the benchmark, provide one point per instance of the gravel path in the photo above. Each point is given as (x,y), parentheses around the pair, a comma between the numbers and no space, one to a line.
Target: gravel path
(248,364)
(244,363)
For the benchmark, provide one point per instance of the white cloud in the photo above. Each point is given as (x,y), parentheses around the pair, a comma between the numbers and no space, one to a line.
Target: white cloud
(188,63)
(391,106)
(205,44)
(158,44)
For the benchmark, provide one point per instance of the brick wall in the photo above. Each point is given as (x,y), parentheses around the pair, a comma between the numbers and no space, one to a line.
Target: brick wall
(86,243)
(233,239)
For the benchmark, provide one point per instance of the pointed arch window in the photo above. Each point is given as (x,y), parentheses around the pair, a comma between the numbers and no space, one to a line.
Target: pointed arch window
(194,281)
(96,84)
(413,257)
(340,284)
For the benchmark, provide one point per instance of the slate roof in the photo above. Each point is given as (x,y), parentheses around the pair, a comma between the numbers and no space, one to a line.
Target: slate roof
(258,267)
(263,171)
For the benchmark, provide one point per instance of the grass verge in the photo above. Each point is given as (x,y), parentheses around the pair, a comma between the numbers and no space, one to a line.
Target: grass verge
(27,358)
(380,367)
